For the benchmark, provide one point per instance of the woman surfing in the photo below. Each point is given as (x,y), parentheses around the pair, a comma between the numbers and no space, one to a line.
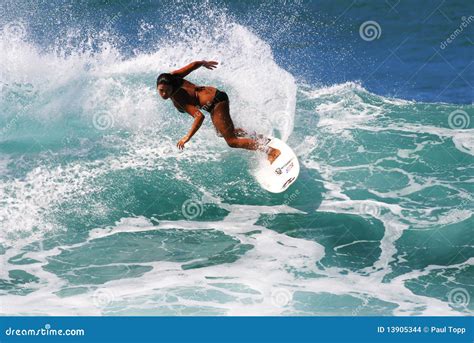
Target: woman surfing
(187,97)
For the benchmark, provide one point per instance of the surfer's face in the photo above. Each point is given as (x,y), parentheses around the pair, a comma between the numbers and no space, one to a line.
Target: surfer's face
(164,91)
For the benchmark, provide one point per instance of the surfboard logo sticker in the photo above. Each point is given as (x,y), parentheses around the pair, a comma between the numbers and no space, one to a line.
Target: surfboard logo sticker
(278,171)
(287,166)
(287,170)
(288,181)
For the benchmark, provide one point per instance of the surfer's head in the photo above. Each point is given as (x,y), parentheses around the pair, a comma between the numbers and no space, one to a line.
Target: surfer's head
(167,84)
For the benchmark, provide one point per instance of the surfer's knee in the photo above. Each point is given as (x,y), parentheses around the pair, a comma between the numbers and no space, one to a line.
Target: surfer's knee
(233,142)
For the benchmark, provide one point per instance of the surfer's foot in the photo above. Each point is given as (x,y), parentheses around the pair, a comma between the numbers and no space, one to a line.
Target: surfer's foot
(273,154)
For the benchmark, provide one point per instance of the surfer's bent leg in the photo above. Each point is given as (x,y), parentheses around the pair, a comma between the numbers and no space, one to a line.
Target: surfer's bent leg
(223,122)
(224,125)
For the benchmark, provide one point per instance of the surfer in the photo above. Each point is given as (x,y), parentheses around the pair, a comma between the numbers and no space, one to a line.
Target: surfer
(187,97)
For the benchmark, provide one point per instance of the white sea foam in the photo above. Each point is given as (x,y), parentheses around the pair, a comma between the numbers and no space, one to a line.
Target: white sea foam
(240,290)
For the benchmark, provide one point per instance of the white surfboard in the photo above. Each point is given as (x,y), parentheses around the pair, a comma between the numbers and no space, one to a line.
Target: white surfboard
(279,175)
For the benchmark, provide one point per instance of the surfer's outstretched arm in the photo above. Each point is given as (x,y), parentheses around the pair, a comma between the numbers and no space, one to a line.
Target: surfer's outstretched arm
(193,66)
(198,119)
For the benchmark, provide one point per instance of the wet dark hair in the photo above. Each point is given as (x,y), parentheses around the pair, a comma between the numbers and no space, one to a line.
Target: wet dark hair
(170,79)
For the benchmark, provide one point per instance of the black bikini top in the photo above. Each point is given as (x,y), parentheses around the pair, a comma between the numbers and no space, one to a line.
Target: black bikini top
(197,89)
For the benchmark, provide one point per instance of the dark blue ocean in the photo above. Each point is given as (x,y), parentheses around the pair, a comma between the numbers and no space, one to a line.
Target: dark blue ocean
(100,214)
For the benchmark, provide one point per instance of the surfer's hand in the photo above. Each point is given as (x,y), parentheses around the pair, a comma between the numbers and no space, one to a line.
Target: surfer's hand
(209,64)
(183,141)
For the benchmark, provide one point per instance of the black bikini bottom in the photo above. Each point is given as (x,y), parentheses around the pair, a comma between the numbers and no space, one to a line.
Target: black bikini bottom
(219,97)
